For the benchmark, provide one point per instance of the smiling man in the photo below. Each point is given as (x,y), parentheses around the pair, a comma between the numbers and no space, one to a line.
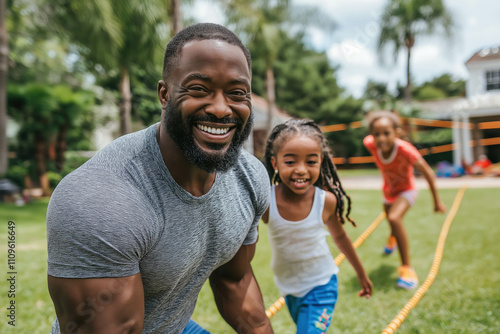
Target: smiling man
(135,232)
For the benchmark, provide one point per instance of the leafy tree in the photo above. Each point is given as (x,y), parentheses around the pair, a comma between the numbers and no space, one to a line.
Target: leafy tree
(442,86)
(306,87)
(378,92)
(4,54)
(403,20)
(260,21)
(47,115)
(305,80)
(113,35)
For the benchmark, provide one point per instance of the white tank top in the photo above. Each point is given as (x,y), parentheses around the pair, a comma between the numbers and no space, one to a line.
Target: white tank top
(301,258)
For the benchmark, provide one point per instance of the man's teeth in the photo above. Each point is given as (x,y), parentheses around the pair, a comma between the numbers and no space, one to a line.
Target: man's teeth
(214,131)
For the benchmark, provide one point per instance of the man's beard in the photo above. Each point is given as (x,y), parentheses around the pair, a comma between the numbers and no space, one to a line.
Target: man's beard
(181,132)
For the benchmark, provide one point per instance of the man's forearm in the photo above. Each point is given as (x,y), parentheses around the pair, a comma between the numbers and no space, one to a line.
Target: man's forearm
(240,304)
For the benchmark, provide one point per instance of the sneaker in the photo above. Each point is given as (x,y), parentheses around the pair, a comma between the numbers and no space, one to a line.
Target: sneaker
(407,278)
(391,245)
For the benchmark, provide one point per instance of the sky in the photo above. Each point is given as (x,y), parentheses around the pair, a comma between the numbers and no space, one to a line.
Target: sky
(353,44)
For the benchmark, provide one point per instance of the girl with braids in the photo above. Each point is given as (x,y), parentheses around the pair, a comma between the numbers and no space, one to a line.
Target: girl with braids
(396,158)
(306,194)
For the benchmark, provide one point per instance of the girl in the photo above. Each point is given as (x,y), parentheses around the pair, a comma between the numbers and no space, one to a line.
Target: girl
(396,158)
(306,194)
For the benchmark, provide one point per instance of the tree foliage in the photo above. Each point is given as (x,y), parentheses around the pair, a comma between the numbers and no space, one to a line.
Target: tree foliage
(50,118)
(403,21)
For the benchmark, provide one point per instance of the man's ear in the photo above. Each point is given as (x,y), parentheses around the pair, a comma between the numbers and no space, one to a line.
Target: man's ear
(163,93)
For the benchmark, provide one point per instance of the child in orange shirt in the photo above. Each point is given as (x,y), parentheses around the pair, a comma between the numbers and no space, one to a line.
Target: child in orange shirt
(396,158)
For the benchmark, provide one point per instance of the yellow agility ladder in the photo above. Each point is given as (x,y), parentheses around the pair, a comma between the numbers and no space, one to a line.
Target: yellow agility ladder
(438,255)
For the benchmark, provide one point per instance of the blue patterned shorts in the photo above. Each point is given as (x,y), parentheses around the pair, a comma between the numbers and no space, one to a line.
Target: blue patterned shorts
(312,313)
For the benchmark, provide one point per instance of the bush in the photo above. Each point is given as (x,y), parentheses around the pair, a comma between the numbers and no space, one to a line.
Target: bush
(54,179)
(16,174)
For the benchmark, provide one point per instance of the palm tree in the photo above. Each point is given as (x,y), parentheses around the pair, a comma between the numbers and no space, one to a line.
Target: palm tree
(176,15)
(4,56)
(260,21)
(114,34)
(403,20)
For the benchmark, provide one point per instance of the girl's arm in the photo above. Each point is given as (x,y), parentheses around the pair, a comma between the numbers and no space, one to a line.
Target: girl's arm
(344,244)
(265,216)
(423,167)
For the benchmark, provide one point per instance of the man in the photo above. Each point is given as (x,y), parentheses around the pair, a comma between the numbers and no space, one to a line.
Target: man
(135,232)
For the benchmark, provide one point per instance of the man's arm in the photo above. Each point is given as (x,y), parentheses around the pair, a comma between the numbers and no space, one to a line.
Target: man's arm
(98,305)
(238,296)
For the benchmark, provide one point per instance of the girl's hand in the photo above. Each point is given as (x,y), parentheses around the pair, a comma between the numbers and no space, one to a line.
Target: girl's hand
(439,207)
(366,287)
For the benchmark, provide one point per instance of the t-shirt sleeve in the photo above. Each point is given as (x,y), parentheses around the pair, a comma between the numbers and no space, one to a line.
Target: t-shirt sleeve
(262,189)
(410,151)
(97,226)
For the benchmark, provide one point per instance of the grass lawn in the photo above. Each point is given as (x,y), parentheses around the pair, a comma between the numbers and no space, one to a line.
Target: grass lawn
(465,297)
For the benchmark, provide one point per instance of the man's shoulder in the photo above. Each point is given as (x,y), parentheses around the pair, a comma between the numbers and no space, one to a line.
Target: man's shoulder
(249,162)
(113,159)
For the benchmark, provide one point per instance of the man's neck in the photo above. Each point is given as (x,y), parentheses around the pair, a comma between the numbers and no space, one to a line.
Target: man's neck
(190,177)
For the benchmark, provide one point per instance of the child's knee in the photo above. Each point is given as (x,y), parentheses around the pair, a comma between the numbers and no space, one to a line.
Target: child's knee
(394,219)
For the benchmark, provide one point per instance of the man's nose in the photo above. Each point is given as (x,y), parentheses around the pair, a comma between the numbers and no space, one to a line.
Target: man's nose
(218,106)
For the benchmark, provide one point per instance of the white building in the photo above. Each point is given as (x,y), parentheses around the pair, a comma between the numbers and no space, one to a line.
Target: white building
(481,104)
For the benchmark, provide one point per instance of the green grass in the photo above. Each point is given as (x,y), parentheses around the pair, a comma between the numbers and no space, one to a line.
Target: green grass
(358,172)
(34,309)
(464,298)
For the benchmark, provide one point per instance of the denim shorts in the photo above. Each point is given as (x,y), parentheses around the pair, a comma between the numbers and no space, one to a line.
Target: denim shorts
(312,313)
(193,328)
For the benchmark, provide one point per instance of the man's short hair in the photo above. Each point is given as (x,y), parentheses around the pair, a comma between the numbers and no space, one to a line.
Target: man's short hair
(199,32)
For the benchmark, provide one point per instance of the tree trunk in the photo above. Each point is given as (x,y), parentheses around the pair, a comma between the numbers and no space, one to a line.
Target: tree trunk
(4,58)
(41,168)
(125,103)
(408,78)
(176,16)
(271,98)
(61,146)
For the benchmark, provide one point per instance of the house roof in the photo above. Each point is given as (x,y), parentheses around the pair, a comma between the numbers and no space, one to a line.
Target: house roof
(477,106)
(260,108)
(485,54)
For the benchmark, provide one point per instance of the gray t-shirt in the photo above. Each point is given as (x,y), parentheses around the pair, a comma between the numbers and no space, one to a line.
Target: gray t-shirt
(122,213)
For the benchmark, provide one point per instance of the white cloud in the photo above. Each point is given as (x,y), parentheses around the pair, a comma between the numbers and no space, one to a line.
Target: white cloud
(354,42)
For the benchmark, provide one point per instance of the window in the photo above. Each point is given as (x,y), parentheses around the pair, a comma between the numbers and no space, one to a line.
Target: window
(493,80)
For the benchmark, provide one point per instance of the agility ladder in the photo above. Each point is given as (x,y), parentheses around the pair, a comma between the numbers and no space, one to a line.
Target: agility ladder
(398,320)
(277,305)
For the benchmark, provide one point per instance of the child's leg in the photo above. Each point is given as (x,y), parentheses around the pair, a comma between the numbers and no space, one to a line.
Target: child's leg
(313,313)
(395,213)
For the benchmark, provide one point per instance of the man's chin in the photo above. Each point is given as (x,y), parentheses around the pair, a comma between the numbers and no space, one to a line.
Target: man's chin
(211,160)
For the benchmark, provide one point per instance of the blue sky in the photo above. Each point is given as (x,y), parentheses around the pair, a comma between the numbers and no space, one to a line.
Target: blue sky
(352,45)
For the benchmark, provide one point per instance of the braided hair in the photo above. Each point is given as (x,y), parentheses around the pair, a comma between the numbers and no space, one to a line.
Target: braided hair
(328,179)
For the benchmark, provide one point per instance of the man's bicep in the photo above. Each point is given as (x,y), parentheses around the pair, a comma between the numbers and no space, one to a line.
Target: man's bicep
(98,305)
(238,266)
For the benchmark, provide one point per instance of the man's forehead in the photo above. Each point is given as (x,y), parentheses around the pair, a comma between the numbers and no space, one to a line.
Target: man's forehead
(208,53)
(212,48)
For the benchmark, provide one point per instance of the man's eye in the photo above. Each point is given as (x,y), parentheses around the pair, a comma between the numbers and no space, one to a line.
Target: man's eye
(238,94)
(197,89)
